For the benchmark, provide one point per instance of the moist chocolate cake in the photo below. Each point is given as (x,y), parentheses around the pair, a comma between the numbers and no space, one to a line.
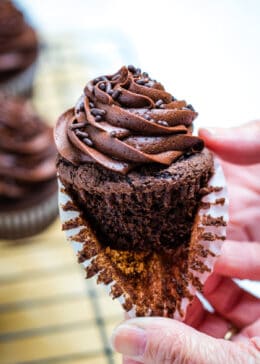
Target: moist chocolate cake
(18,47)
(128,159)
(27,170)
(139,196)
(153,208)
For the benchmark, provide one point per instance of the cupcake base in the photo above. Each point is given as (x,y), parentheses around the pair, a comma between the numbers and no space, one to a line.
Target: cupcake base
(127,210)
(153,283)
(29,221)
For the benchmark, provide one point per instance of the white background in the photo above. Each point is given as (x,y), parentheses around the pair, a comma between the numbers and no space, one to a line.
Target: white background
(205,51)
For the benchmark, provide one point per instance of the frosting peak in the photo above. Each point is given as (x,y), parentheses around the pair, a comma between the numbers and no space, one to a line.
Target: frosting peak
(124,120)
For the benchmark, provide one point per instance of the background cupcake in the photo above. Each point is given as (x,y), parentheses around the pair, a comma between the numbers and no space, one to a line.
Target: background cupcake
(28,190)
(18,51)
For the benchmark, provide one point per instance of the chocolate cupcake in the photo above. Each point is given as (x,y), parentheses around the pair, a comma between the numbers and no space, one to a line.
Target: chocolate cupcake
(18,51)
(28,186)
(142,191)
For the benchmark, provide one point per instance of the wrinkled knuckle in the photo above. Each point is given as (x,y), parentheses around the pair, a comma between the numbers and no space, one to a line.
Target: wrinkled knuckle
(237,353)
(250,353)
(161,353)
(167,349)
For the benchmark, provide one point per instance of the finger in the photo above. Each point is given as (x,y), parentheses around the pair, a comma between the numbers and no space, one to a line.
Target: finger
(125,359)
(240,145)
(129,361)
(214,325)
(195,313)
(250,335)
(239,260)
(157,340)
(235,231)
(231,302)
(209,323)
(249,331)
(203,321)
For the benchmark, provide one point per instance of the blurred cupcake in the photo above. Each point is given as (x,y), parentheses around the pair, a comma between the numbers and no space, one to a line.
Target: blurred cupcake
(28,187)
(18,51)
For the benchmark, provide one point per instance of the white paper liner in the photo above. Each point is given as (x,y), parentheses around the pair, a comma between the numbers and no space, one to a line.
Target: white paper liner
(21,84)
(31,220)
(214,204)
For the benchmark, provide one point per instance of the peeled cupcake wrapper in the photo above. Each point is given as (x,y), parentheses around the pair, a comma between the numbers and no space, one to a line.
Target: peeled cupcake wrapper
(153,284)
(21,84)
(31,220)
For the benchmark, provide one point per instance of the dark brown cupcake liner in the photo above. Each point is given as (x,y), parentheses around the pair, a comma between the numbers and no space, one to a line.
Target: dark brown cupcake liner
(149,283)
(30,221)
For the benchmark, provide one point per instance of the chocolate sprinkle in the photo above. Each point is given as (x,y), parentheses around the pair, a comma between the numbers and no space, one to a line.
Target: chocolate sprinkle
(95,111)
(81,134)
(96,80)
(108,87)
(98,118)
(102,86)
(88,142)
(78,125)
(159,103)
(190,107)
(81,106)
(141,81)
(162,122)
(116,93)
(131,68)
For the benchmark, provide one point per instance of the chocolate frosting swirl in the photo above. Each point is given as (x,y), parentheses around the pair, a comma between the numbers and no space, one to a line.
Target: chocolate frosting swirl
(27,150)
(124,120)
(18,41)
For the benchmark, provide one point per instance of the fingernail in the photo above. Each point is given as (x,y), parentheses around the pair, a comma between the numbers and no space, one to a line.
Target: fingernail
(129,340)
(215,131)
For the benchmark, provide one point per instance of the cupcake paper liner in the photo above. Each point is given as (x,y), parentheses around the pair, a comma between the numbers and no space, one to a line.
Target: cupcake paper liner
(21,84)
(20,224)
(152,283)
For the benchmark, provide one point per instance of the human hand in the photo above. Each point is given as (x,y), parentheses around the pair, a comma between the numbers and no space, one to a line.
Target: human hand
(241,146)
(200,339)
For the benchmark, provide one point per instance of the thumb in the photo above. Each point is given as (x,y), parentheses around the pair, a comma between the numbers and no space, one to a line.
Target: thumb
(156,340)
(240,145)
